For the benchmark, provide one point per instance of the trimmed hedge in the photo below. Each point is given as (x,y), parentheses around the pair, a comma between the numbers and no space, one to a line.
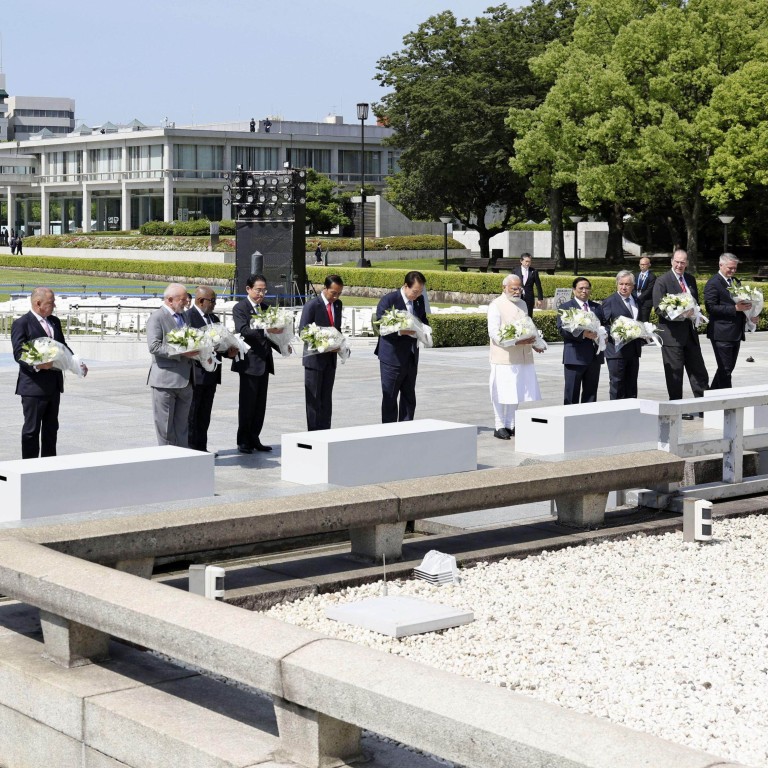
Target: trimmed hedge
(193,228)
(472,330)
(191,269)
(399,243)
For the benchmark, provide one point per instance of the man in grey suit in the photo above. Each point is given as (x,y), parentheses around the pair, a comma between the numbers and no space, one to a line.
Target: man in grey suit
(170,373)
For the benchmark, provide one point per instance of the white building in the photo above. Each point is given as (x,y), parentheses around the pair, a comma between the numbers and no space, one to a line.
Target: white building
(30,115)
(3,110)
(119,177)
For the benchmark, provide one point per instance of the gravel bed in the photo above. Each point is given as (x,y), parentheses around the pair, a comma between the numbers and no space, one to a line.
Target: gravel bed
(650,632)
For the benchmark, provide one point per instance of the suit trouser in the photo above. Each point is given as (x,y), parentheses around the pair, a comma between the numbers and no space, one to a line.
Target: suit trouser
(41,426)
(623,373)
(726,353)
(644,311)
(581,383)
(318,395)
(171,411)
(398,380)
(200,415)
(252,405)
(688,357)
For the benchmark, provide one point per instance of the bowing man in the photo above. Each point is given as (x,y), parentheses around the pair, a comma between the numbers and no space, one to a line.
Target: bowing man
(624,363)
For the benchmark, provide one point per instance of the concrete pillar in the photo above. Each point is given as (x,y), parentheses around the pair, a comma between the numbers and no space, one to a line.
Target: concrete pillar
(11,197)
(125,206)
(167,182)
(45,217)
(377,541)
(27,215)
(582,510)
(86,220)
(313,739)
(71,644)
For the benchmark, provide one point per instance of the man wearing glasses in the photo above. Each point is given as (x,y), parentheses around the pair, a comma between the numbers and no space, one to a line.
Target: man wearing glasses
(254,369)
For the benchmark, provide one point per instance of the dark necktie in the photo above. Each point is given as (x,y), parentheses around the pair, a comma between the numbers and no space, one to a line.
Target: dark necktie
(330,312)
(179,319)
(586,306)
(641,281)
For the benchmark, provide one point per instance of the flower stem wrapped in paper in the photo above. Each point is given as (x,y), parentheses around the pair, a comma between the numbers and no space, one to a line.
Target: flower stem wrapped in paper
(682,306)
(188,339)
(625,330)
(748,293)
(47,350)
(520,331)
(277,324)
(576,321)
(320,339)
(398,320)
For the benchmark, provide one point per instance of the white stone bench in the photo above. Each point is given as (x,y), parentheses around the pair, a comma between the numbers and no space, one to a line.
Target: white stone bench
(378,453)
(82,482)
(584,426)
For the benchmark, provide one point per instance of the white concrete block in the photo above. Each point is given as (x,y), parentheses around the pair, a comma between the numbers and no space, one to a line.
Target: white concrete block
(377,453)
(81,482)
(399,615)
(585,426)
(754,417)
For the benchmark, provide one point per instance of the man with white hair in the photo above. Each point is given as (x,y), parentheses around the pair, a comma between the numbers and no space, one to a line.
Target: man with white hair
(513,377)
(727,319)
(170,373)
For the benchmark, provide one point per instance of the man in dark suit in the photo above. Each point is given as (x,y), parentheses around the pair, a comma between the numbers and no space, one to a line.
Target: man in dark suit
(204,383)
(40,386)
(624,363)
(398,353)
(680,341)
(254,369)
(581,360)
(531,280)
(643,292)
(320,370)
(726,320)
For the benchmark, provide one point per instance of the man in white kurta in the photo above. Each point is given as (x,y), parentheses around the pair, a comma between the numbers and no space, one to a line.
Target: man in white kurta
(513,377)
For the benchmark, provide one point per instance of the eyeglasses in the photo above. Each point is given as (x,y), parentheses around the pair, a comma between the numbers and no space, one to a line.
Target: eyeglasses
(212,301)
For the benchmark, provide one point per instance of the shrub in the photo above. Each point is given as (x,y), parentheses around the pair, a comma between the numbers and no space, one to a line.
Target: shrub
(400,243)
(156,228)
(471,330)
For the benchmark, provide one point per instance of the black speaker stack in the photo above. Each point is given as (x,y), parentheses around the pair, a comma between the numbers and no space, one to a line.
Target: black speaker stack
(269,208)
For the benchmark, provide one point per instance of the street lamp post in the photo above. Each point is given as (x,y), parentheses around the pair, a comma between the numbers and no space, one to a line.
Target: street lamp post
(575,219)
(362,116)
(446,221)
(726,221)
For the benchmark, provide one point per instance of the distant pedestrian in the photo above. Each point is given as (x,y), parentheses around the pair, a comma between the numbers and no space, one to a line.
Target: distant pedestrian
(13,245)
(19,244)
(319,254)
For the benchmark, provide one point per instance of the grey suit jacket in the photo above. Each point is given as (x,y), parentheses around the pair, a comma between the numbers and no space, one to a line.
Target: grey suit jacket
(168,370)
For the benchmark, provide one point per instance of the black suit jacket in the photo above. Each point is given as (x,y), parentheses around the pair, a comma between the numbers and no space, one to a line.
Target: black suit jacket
(644,296)
(201,377)
(677,333)
(579,350)
(726,323)
(615,306)
(315,312)
(533,281)
(258,359)
(393,348)
(32,383)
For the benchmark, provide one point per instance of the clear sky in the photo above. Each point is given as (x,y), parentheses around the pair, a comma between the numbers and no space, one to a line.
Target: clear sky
(204,61)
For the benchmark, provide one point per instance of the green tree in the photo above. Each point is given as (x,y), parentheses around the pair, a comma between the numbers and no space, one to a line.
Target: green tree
(452,86)
(324,204)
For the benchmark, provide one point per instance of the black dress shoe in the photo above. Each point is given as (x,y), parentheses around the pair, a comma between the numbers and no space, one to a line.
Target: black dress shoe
(511,432)
(502,434)
(688,416)
(260,447)
(244,449)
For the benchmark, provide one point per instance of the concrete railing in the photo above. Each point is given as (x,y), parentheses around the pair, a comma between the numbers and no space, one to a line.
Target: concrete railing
(324,690)
(731,445)
(375,515)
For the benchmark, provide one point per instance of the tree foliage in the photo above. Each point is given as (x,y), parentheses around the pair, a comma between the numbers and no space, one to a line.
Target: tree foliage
(452,85)
(325,206)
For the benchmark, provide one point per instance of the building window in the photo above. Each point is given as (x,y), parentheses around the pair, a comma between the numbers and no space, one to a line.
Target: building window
(319,159)
(198,161)
(105,160)
(256,158)
(145,159)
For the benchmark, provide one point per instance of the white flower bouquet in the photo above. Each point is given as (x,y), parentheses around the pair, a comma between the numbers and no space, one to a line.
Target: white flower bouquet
(576,321)
(319,339)
(517,331)
(625,330)
(754,295)
(47,350)
(278,325)
(681,306)
(188,339)
(399,320)
(222,339)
